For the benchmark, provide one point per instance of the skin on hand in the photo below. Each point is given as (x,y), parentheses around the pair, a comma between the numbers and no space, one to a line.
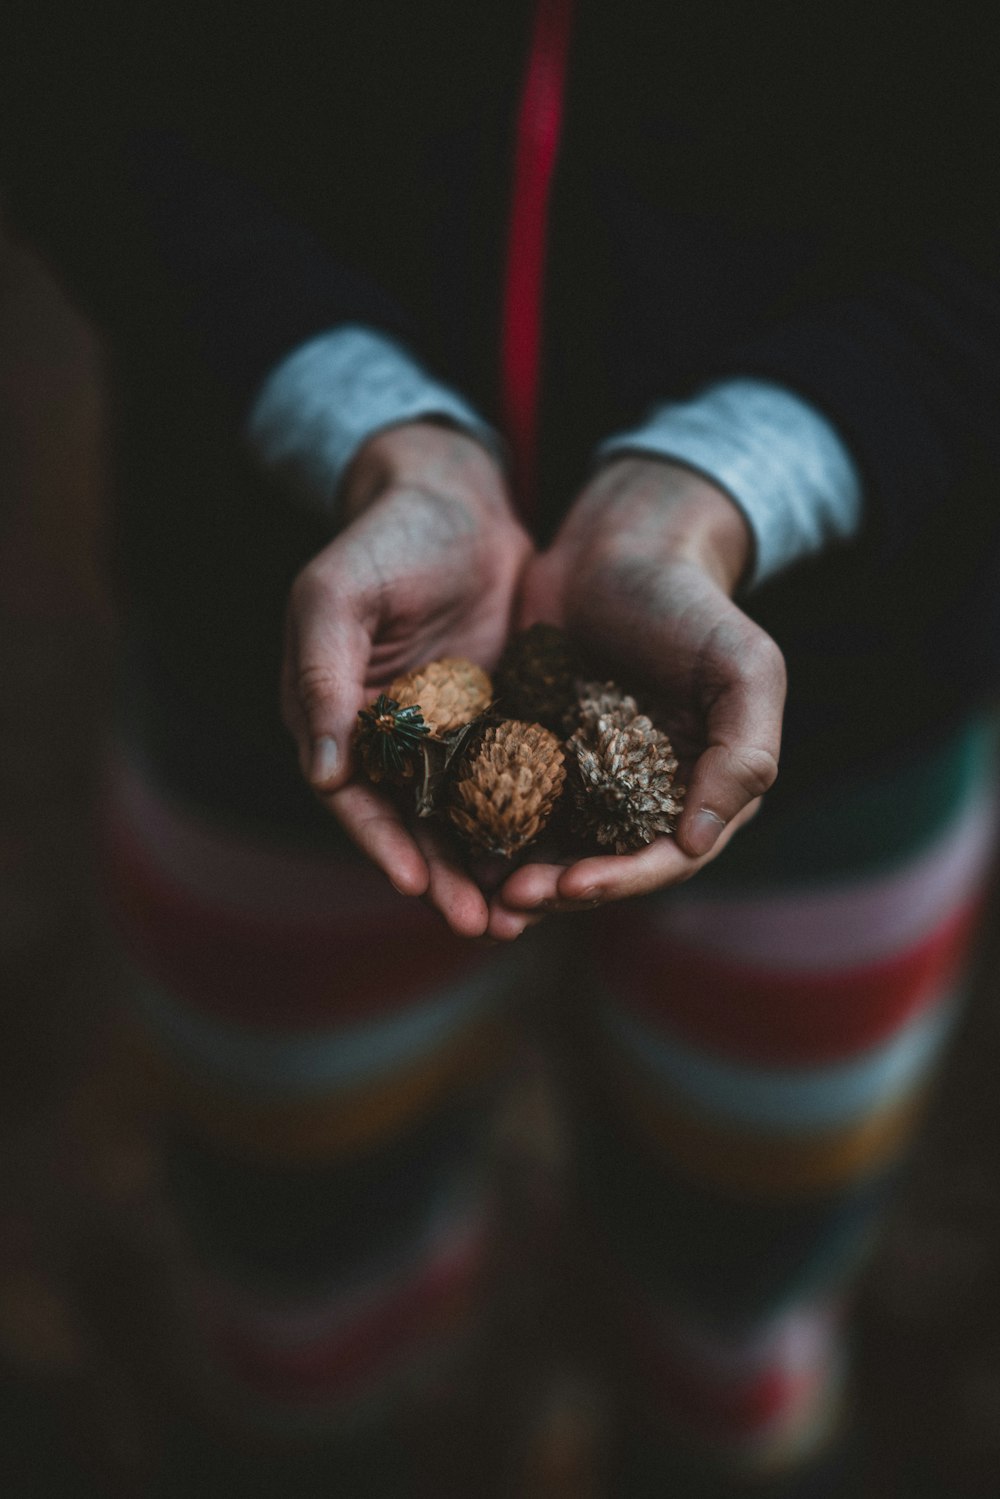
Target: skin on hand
(426,566)
(642,572)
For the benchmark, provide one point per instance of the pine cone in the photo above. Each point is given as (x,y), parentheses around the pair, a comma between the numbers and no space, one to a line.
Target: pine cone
(625,793)
(449,692)
(506,789)
(388,739)
(537,677)
(603,700)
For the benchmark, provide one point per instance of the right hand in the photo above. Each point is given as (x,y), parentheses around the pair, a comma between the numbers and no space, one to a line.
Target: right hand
(642,571)
(427,566)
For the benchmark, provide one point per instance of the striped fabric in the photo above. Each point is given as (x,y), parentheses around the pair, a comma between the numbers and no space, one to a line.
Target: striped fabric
(354,1348)
(326,1055)
(757,1048)
(761,1048)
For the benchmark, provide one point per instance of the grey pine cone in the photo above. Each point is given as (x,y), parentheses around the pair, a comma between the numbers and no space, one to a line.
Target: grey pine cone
(624,791)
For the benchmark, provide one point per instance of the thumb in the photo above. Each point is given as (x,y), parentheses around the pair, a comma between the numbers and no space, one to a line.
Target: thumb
(326,656)
(740,762)
(726,780)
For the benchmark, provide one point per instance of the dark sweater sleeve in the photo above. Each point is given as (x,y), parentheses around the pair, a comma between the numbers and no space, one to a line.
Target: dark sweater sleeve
(122,161)
(160,244)
(906,364)
(896,336)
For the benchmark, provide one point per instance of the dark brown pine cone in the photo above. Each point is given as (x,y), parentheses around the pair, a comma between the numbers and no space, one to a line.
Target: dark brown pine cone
(537,678)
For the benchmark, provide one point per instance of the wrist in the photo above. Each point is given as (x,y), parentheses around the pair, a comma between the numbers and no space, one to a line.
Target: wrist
(429,455)
(671,507)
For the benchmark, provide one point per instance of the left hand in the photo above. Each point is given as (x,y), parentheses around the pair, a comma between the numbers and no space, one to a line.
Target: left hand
(642,574)
(426,565)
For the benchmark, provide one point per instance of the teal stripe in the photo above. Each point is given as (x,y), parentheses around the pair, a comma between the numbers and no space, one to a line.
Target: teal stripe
(791,1101)
(269,1065)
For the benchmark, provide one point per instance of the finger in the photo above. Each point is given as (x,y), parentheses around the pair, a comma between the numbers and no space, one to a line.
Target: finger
(724,781)
(506,925)
(327,652)
(531,887)
(627,876)
(451,890)
(371,821)
(743,728)
(623,876)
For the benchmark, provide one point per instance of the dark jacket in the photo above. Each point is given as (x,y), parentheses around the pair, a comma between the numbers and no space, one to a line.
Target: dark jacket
(804,193)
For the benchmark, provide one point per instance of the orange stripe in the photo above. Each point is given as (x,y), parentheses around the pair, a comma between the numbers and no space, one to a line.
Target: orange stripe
(321,1130)
(761,1164)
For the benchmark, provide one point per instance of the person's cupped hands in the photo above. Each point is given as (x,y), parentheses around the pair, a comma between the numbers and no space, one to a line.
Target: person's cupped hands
(427,565)
(431,561)
(642,574)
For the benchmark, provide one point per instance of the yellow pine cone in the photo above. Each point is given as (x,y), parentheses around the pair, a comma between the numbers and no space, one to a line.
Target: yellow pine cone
(450,692)
(505,792)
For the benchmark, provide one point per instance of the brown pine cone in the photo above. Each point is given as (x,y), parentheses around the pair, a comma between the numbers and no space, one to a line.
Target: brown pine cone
(449,692)
(624,791)
(505,791)
(536,680)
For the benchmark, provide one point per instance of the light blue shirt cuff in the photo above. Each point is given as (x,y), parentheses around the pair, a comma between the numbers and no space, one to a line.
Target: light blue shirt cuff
(330,395)
(778,459)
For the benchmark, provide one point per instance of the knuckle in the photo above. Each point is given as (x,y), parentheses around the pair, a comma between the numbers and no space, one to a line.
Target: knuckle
(756,770)
(765,660)
(314,685)
(772,664)
(776,663)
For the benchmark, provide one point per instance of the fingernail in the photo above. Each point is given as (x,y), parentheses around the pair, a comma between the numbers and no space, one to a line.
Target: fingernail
(325,758)
(704,830)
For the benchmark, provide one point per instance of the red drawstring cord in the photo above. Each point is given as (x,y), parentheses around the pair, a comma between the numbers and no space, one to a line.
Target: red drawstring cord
(539,124)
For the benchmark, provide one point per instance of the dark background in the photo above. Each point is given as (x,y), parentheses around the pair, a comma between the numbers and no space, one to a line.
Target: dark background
(85,1349)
